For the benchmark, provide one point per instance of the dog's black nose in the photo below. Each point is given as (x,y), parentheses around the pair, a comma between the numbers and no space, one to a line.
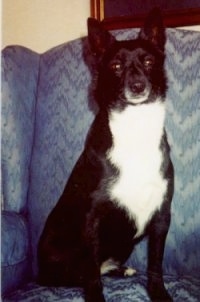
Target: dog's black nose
(138,87)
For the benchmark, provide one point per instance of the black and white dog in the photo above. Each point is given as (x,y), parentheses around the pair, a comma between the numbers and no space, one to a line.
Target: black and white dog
(122,185)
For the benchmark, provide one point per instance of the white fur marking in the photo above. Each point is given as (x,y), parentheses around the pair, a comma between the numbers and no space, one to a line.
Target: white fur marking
(137,133)
(108,266)
(129,272)
(132,99)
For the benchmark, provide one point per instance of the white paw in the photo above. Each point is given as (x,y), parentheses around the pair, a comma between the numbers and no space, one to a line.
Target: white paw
(129,272)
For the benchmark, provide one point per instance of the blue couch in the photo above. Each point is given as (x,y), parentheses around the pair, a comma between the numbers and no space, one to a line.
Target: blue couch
(47,109)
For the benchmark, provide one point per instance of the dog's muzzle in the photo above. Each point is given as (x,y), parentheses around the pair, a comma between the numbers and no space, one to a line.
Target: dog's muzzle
(137,92)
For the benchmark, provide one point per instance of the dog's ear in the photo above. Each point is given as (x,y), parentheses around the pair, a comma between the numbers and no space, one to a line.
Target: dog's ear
(99,38)
(154,29)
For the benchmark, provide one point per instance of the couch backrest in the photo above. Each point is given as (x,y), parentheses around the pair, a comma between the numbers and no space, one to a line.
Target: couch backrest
(20,68)
(183,127)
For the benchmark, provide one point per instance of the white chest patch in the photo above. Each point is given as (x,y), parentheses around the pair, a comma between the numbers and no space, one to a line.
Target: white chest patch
(140,188)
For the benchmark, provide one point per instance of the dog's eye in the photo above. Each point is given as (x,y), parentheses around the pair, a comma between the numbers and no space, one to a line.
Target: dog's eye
(148,62)
(115,66)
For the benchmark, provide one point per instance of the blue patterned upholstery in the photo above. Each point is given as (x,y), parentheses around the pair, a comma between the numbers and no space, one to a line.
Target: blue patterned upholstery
(14,251)
(19,84)
(20,68)
(115,290)
(47,111)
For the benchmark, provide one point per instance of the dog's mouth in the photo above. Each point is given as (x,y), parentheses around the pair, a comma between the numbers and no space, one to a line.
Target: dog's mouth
(137,94)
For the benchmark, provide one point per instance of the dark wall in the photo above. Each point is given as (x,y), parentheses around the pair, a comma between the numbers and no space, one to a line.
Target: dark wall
(115,8)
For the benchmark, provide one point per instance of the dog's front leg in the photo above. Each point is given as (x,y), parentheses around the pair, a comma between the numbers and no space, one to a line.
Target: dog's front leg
(93,286)
(157,237)
(92,278)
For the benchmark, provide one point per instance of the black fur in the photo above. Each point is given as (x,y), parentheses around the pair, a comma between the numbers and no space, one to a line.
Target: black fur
(87,226)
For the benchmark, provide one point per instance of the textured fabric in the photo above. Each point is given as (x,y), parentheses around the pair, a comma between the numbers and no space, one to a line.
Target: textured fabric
(183,124)
(19,87)
(14,250)
(115,290)
(15,239)
(15,276)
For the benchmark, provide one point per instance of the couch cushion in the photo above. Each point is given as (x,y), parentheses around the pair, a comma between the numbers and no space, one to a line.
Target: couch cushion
(15,250)
(115,290)
(19,91)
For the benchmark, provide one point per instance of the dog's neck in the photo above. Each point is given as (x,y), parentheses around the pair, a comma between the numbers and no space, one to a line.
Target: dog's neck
(136,125)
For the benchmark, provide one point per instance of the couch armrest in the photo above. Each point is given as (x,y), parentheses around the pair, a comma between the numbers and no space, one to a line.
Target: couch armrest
(14,251)
(20,68)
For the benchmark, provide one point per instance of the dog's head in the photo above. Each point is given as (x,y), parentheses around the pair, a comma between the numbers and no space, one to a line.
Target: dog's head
(130,72)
